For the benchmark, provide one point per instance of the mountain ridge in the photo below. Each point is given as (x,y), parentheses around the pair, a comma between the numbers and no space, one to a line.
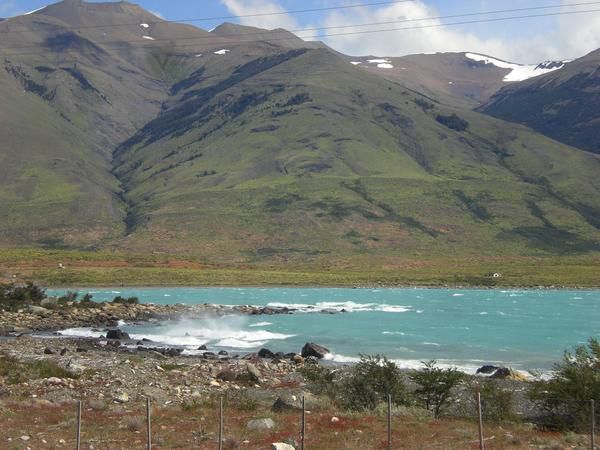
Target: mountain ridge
(562,104)
(244,149)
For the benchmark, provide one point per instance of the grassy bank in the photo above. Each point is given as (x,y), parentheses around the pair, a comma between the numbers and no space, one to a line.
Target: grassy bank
(105,269)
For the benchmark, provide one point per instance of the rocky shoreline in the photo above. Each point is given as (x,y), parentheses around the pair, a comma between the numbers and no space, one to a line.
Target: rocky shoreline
(101,315)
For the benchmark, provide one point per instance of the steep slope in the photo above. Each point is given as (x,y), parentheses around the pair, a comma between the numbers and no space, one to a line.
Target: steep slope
(564,105)
(462,79)
(67,103)
(302,155)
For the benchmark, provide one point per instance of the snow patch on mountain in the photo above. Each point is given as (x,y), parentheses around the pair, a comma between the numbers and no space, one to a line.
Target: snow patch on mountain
(222,52)
(34,11)
(518,72)
(385,66)
(150,38)
(379,61)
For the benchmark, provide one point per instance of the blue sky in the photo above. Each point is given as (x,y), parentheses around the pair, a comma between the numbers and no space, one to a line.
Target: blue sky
(521,40)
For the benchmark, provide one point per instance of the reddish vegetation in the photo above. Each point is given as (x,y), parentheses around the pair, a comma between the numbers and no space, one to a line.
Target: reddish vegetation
(123,427)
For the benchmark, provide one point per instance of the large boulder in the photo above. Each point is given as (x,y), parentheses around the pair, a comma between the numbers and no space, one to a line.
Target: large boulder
(287,403)
(312,349)
(502,373)
(261,424)
(227,375)
(38,310)
(253,373)
(265,353)
(487,370)
(117,334)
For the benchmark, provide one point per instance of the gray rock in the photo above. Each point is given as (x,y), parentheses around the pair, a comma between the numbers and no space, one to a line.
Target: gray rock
(38,310)
(265,353)
(502,373)
(282,446)
(287,403)
(49,351)
(253,372)
(487,370)
(261,424)
(117,334)
(227,375)
(122,397)
(312,349)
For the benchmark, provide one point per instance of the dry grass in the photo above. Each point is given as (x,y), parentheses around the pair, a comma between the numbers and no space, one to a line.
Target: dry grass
(176,429)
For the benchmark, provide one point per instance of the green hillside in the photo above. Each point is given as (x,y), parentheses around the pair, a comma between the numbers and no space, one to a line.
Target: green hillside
(301,154)
(238,150)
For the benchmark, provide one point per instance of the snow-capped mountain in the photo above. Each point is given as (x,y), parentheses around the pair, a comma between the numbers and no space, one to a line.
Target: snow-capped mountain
(518,72)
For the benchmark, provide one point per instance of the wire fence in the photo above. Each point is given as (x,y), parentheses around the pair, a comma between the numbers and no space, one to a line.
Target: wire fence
(84,423)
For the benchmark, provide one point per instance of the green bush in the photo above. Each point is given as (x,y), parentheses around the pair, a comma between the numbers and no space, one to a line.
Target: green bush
(435,386)
(565,398)
(370,382)
(126,301)
(14,297)
(321,379)
(15,371)
(453,122)
(497,402)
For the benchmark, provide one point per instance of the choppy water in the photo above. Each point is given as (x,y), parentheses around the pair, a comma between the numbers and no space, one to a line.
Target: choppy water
(528,330)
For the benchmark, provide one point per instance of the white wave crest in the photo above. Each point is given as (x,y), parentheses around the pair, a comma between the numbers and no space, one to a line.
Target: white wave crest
(348,306)
(81,332)
(261,324)
(239,343)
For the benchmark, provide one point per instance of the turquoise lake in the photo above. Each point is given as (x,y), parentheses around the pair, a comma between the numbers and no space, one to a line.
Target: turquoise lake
(527,330)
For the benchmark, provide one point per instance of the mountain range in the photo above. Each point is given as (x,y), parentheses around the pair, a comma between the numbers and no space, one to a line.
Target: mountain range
(122,131)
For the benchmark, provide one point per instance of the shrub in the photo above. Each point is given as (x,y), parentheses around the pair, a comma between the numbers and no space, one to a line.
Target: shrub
(497,402)
(70,296)
(15,371)
(320,378)
(13,297)
(576,380)
(424,104)
(242,400)
(134,423)
(453,122)
(126,301)
(370,382)
(435,385)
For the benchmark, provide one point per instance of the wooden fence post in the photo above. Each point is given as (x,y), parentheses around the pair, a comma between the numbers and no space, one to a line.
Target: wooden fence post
(480,416)
(149,423)
(79,425)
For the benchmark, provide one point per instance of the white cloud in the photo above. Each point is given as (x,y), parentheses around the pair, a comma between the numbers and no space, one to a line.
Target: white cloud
(406,41)
(578,34)
(249,7)
(571,37)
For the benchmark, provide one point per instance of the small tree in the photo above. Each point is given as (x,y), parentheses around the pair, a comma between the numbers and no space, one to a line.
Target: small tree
(370,382)
(498,401)
(576,380)
(435,385)
(13,297)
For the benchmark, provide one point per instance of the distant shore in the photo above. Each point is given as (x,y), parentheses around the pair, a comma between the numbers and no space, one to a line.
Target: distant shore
(64,268)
